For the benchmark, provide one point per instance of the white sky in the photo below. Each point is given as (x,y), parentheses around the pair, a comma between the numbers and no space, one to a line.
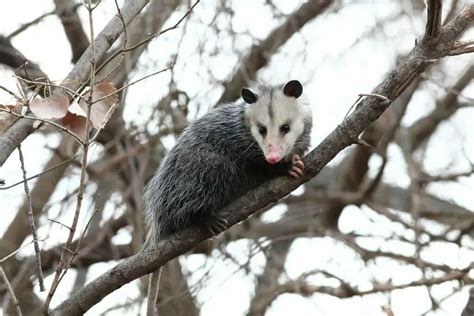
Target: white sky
(336,69)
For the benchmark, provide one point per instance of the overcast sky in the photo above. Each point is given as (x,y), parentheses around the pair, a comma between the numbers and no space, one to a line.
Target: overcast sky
(336,64)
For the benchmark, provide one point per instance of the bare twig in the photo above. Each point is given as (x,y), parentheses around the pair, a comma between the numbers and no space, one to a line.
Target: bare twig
(360,97)
(31,222)
(11,93)
(153,286)
(10,291)
(75,252)
(456,89)
(41,173)
(17,251)
(25,26)
(132,83)
(447,177)
(375,95)
(59,223)
(50,85)
(462,48)
(148,39)
(356,102)
(34,118)
(306,289)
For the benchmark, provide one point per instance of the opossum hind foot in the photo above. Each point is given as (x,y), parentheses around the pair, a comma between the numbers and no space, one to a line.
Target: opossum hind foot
(216,224)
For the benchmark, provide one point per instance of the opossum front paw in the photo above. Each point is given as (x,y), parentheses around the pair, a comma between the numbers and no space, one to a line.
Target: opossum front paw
(297,167)
(217,225)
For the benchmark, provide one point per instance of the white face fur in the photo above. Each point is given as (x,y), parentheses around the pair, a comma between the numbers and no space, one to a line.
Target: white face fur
(276,118)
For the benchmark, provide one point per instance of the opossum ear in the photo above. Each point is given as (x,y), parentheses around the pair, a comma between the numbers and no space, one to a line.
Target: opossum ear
(248,96)
(293,89)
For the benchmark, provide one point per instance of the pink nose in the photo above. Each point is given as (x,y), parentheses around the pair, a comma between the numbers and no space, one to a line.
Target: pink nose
(272,158)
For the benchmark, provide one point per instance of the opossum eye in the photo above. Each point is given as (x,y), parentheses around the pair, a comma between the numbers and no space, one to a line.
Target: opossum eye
(285,128)
(262,130)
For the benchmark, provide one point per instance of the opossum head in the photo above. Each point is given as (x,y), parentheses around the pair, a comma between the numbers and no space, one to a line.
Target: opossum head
(276,118)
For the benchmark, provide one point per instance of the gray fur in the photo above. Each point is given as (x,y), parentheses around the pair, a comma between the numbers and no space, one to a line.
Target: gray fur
(215,161)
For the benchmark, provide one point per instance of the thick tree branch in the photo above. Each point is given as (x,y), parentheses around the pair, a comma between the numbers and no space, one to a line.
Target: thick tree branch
(173,286)
(12,137)
(104,40)
(67,13)
(24,68)
(268,281)
(344,135)
(469,309)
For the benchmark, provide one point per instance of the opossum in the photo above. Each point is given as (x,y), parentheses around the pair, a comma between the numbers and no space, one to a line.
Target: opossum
(226,153)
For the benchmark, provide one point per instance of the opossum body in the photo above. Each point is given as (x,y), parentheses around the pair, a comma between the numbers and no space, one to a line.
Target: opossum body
(226,153)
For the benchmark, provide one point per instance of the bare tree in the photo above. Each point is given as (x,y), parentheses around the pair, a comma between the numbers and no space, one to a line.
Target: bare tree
(90,188)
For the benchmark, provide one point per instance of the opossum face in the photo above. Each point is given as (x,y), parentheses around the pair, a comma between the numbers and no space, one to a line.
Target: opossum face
(276,118)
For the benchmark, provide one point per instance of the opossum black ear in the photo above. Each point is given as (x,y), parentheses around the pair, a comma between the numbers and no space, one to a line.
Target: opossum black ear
(248,96)
(293,89)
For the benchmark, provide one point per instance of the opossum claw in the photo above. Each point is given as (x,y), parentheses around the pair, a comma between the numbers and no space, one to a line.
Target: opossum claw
(297,167)
(216,225)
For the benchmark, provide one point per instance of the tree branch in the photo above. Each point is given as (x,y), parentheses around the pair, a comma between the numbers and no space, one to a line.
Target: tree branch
(469,309)
(268,281)
(302,287)
(10,291)
(67,12)
(433,23)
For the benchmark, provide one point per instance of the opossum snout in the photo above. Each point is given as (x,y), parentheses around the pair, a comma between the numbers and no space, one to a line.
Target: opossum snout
(272,155)
(272,158)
